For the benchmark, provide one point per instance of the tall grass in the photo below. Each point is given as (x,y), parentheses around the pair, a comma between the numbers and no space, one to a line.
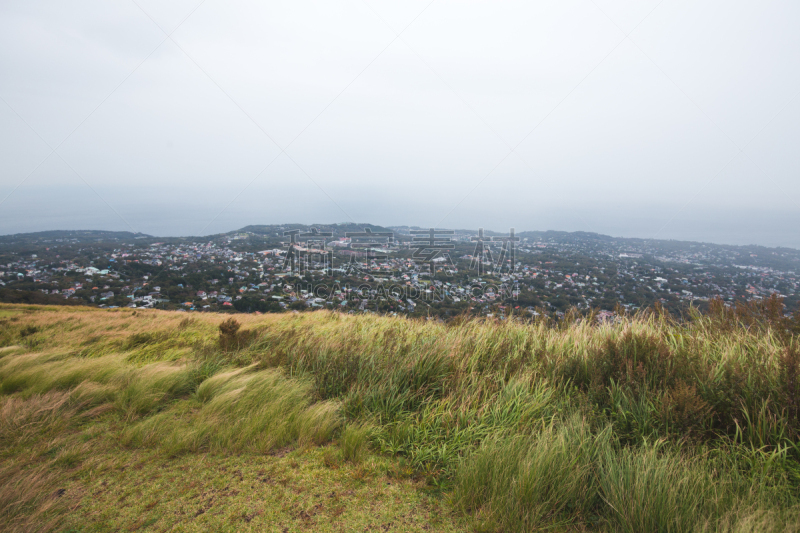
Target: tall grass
(26,499)
(661,378)
(49,399)
(530,424)
(240,411)
(568,474)
(645,490)
(354,441)
(526,482)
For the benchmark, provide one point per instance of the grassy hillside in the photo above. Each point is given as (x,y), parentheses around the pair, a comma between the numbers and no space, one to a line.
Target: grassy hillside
(148,420)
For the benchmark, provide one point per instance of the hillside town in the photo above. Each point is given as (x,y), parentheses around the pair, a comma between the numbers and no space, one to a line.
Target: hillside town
(399,270)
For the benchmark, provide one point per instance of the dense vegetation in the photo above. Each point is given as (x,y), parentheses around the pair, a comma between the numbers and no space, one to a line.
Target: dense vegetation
(644,424)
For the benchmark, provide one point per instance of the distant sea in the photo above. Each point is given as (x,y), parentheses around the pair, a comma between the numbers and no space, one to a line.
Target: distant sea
(176,214)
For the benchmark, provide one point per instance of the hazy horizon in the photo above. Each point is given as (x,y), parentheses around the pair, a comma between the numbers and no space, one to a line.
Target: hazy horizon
(744,237)
(653,119)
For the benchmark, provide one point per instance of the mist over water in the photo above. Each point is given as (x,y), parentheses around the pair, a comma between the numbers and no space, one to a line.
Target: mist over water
(174,212)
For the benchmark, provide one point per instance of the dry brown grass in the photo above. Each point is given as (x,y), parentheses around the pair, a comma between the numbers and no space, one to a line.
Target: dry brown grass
(31,499)
(36,445)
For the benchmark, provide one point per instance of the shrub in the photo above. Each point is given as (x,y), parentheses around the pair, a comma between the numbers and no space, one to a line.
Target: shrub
(684,412)
(636,360)
(230,338)
(228,330)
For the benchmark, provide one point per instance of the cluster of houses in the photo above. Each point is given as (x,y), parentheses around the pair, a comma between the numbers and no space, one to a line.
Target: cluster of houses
(389,272)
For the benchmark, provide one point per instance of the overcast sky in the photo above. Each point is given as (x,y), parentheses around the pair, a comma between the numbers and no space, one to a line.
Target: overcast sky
(670,119)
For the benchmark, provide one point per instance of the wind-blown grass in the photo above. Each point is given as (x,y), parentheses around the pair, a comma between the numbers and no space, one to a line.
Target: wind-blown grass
(524,425)
(524,483)
(240,411)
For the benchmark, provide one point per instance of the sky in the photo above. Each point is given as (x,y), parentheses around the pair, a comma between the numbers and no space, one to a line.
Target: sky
(670,119)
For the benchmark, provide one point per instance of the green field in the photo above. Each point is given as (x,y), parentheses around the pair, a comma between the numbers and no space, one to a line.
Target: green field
(137,420)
